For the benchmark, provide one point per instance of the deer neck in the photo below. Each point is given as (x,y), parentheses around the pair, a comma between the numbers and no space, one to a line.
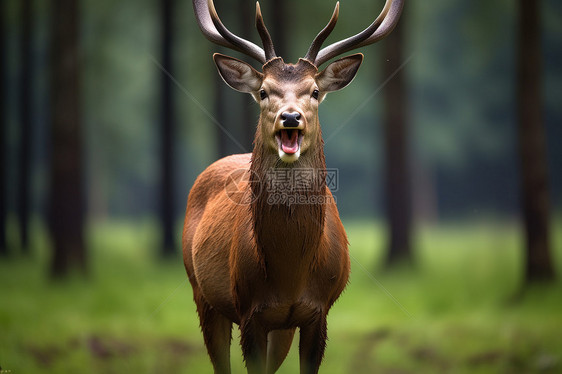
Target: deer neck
(289,204)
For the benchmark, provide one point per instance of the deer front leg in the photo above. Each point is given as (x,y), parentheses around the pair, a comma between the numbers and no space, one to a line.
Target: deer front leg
(217,331)
(278,346)
(313,337)
(254,344)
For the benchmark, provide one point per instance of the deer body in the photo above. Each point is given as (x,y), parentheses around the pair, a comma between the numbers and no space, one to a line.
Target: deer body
(284,283)
(271,265)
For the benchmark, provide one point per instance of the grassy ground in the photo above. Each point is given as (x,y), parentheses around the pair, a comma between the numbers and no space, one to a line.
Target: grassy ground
(459,311)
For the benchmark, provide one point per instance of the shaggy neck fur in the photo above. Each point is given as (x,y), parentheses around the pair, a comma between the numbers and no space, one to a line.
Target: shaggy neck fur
(288,228)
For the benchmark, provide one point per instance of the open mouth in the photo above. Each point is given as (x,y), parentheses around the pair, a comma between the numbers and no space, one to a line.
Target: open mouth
(289,140)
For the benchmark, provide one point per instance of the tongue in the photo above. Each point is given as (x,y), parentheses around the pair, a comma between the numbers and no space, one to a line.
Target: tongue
(290,144)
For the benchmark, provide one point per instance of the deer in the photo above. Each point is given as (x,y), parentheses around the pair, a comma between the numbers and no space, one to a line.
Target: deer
(272,265)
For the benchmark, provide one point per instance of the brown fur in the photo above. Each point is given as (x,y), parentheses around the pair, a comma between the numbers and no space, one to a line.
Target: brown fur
(269,267)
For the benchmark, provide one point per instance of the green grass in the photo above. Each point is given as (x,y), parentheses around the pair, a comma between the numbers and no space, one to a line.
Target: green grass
(460,310)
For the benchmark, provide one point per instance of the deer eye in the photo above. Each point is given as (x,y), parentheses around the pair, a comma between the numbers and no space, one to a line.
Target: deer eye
(263,94)
(315,94)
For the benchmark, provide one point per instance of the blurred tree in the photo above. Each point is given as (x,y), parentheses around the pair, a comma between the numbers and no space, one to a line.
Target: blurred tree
(397,164)
(26,136)
(247,116)
(3,135)
(532,152)
(227,103)
(66,210)
(220,109)
(462,101)
(167,131)
(280,25)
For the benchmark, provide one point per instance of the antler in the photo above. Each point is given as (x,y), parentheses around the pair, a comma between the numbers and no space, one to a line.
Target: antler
(381,27)
(264,34)
(214,30)
(322,35)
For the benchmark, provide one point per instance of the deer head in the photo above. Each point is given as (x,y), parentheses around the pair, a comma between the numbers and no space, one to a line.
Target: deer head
(289,94)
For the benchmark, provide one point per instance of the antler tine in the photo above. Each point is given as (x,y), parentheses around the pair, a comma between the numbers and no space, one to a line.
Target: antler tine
(264,34)
(380,28)
(214,30)
(322,36)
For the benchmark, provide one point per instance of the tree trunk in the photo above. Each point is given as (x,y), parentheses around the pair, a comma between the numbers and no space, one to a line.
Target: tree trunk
(3,135)
(248,115)
(220,111)
(280,27)
(26,110)
(66,211)
(532,153)
(397,165)
(167,133)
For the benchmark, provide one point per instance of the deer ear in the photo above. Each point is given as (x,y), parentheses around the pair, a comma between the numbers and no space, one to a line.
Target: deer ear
(339,73)
(238,74)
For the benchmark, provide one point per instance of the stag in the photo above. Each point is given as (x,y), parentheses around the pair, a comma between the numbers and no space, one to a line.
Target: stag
(267,264)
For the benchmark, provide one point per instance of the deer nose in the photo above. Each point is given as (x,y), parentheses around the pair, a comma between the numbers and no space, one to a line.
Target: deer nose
(290,119)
